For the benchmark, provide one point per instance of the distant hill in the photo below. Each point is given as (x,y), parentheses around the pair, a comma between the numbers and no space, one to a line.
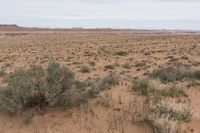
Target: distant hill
(14,27)
(4,28)
(9,27)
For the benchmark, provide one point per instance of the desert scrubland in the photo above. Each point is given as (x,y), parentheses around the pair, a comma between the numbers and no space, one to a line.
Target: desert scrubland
(120,83)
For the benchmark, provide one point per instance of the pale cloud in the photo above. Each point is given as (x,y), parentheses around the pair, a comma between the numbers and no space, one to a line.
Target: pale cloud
(98,11)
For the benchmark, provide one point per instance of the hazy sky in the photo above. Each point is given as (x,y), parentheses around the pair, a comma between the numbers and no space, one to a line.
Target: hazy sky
(152,14)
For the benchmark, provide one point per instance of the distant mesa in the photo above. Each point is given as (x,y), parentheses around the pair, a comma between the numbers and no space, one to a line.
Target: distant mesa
(12,27)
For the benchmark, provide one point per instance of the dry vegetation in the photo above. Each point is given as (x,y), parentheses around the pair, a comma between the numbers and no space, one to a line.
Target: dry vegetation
(99,83)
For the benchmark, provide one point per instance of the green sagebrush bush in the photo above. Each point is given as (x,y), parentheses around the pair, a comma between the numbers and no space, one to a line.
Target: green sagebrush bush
(171,74)
(101,84)
(168,74)
(36,87)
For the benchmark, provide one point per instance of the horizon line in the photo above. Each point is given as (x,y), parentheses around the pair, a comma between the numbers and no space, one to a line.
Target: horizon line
(93,28)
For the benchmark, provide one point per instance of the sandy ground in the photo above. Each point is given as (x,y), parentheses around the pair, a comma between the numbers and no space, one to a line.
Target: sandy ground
(143,53)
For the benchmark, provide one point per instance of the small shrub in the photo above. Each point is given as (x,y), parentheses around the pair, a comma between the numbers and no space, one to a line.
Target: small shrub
(167,116)
(140,64)
(171,74)
(85,69)
(121,53)
(193,83)
(92,63)
(127,65)
(165,125)
(172,91)
(155,88)
(141,86)
(111,67)
(88,54)
(103,99)
(168,74)
(194,74)
(2,73)
(7,65)
(175,111)
(102,84)
(91,93)
(28,118)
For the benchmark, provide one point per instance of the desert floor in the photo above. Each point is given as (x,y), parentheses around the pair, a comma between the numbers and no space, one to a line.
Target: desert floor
(130,55)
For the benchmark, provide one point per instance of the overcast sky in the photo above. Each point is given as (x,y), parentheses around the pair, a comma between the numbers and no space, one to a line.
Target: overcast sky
(151,14)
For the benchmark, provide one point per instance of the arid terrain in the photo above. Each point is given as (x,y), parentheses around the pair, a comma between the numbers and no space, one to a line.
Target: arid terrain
(134,104)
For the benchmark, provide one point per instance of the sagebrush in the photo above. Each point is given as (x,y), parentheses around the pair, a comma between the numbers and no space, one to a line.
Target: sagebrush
(40,88)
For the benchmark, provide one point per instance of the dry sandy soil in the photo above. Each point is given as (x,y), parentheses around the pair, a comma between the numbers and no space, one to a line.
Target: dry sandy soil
(143,54)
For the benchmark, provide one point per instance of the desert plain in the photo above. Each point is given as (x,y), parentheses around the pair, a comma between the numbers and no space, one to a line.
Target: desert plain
(135,104)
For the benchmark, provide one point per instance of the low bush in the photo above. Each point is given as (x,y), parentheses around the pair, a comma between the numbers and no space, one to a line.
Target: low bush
(171,74)
(161,112)
(2,72)
(121,53)
(111,67)
(175,111)
(168,74)
(172,91)
(194,74)
(40,88)
(92,63)
(102,84)
(140,64)
(85,69)
(141,86)
(127,65)
(166,116)
(164,125)
(148,87)
(193,83)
